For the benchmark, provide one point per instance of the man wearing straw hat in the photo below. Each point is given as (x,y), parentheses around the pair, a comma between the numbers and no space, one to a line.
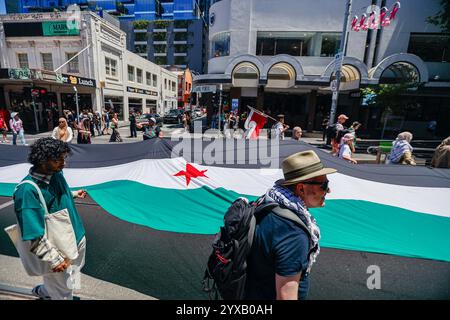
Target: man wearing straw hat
(284,251)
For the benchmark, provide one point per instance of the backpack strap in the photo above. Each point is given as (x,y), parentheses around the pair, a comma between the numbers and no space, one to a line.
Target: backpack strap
(260,210)
(288,214)
(41,197)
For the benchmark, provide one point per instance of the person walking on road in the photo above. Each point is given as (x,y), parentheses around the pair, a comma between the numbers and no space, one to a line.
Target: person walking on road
(47,157)
(115,136)
(3,129)
(16,126)
(283,252)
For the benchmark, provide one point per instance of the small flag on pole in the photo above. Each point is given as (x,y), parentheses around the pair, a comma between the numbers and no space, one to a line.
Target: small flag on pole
(254,123)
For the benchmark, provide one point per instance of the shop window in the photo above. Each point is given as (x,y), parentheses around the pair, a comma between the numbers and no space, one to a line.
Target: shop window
(220,45)
(23,60)
(430,47)
(47,61)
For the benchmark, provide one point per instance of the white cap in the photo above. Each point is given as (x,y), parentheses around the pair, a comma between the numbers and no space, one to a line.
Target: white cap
(153,119)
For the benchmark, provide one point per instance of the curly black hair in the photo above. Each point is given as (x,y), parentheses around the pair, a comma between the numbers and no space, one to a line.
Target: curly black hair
(45,149)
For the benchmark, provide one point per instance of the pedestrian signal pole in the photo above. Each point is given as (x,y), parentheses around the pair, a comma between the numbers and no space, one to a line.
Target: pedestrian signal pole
(339,58)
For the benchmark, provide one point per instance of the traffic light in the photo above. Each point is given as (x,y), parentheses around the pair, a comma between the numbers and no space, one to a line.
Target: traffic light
(38,92)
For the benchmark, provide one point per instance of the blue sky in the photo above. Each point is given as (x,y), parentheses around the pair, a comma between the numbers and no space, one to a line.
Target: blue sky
(2,7)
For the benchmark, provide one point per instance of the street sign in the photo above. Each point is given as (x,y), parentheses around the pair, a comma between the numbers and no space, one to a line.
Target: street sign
(234,104)
(210,88)
(339,59)
(334,86)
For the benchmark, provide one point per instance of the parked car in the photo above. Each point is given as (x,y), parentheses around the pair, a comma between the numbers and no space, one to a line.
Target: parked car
(146,117)
(198,112)
(173,116)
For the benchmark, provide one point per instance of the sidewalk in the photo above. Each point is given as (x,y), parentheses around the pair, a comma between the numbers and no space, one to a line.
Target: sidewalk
(17,285)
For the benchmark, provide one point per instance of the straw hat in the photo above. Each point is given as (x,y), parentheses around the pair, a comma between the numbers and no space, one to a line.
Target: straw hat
(303,166)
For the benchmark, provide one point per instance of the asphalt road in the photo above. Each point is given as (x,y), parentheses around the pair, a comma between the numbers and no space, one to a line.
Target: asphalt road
(127,261)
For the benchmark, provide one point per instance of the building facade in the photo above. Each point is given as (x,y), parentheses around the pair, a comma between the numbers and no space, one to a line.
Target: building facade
(168,33)
(280,57)
(35,50)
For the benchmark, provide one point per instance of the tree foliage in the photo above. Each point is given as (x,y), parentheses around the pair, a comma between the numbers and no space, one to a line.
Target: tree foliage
(442,18)
(392,98)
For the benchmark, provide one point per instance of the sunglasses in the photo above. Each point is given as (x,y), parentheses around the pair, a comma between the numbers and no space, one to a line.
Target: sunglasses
(323,185)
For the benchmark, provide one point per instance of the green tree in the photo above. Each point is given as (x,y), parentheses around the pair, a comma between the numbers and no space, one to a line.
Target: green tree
(442,18)
(390,97)
(140,24)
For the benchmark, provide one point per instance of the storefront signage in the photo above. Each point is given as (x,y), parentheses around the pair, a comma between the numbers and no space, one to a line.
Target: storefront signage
(142,91)
(210,88)
(234,104)
(60,28)
(24,74)
(74,80)
(34,16)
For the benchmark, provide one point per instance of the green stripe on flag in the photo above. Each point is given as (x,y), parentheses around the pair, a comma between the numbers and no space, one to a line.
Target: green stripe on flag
(345,224)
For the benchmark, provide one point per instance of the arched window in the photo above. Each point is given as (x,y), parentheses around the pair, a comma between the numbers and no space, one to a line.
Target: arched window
(220,45)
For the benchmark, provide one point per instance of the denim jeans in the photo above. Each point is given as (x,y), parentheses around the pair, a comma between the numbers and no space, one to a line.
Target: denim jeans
(21,137)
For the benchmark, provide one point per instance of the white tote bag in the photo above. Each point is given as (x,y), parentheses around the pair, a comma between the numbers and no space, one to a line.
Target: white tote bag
(59,232)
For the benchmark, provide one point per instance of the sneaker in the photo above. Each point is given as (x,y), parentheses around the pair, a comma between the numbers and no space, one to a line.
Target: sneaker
(37,292)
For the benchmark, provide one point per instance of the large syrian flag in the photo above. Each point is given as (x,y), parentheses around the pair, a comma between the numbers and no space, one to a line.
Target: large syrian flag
(164,188)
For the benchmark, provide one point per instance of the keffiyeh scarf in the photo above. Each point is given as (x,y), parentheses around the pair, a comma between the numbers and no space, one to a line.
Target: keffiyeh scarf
(399,148)
(286,198)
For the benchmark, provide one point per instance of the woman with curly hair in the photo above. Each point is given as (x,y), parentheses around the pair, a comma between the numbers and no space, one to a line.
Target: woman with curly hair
(47,157)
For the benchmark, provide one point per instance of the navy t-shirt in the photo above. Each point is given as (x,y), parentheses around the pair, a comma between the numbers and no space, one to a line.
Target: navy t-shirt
(280,247)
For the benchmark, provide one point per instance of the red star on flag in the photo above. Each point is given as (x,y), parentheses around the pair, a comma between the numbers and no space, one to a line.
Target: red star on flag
(191,172)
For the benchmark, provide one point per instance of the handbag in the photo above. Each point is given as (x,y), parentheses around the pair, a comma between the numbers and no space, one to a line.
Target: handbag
(59,232)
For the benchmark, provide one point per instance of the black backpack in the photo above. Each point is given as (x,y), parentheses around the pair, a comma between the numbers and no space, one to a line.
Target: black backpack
(226,270)
(331,131)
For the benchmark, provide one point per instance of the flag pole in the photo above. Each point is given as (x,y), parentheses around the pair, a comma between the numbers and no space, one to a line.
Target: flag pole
(338,62)
(261,113)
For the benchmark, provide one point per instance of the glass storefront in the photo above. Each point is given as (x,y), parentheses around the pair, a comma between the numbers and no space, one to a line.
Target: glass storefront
(69,103)
(45,110)
(151,106)
(115,104)
(134,105)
